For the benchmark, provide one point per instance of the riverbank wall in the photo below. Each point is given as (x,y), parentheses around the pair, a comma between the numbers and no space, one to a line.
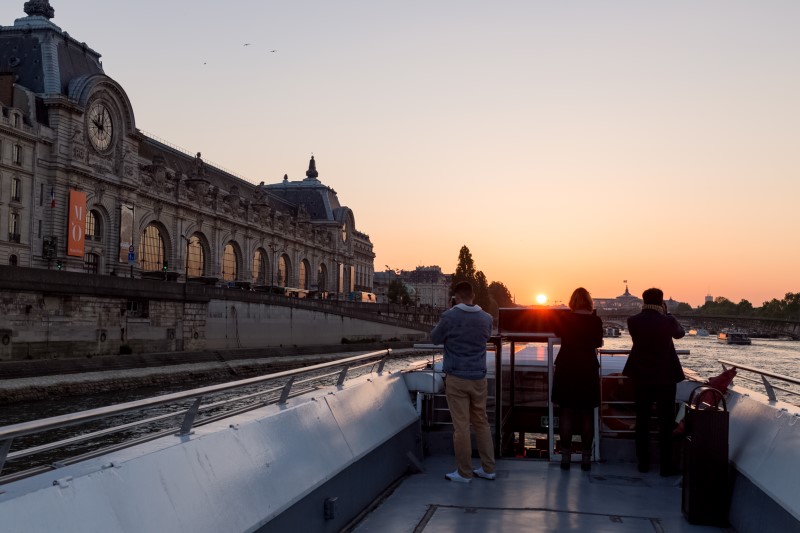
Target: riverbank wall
(55,315)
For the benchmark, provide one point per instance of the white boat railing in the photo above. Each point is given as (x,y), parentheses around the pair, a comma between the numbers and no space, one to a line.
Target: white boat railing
(277,395)
(764,374)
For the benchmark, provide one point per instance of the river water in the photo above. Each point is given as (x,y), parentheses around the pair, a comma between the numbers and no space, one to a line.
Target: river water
(777,356)
(772,355)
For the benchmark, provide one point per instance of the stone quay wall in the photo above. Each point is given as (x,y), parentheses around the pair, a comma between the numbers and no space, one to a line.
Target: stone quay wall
(52,314)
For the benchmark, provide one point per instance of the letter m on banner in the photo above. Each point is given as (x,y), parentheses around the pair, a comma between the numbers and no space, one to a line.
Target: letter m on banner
(77,223)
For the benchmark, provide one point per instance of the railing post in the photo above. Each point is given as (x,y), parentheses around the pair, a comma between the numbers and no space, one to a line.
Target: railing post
(285,392)
(380,365)
(188,420)
(5,446)
(342,376)
(498,397)
(770,390)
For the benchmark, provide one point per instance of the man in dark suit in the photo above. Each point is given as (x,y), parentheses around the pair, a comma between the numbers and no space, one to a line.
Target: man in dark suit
(654,367)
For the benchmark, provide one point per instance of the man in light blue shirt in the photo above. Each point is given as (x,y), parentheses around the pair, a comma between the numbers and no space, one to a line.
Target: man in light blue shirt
(464,330)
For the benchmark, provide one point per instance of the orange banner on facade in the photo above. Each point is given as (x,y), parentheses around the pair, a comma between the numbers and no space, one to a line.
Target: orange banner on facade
(77,224)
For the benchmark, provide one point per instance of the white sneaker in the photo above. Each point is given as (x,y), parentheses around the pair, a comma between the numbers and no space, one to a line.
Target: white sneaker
(485,475)
(458,478)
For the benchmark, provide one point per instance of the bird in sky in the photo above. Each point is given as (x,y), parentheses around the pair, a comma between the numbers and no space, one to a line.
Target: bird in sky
(273,50)
(247,44)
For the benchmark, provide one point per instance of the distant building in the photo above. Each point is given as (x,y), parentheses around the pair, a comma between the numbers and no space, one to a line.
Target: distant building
(622,303)
(426,285)
(672,304)
(709,299)
(432,287)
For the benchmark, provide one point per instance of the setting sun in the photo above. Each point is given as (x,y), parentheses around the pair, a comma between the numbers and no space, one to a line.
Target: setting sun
(541,299)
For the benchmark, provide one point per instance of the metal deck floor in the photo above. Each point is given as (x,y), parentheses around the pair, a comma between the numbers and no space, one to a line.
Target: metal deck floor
(534,496)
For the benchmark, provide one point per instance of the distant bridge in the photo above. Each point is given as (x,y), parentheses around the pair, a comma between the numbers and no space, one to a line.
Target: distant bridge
(754,326)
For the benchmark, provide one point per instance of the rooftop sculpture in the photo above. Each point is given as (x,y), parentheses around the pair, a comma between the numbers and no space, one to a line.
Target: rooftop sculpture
(41,8)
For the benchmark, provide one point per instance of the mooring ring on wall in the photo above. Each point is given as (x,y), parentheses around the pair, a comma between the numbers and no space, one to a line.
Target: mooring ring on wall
(196,335)
(102,337)
(6,340)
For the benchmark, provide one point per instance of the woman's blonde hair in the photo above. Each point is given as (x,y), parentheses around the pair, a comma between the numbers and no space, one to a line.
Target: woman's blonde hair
(581,300)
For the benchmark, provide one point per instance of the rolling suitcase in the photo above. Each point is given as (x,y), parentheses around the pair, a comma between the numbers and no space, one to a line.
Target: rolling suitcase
(706,472)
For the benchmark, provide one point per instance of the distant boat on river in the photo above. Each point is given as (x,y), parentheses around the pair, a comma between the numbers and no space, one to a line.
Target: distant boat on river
(733,336)
(698,332)
(611,331)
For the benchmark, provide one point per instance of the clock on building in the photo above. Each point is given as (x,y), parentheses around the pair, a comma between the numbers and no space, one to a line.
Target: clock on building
(100,126)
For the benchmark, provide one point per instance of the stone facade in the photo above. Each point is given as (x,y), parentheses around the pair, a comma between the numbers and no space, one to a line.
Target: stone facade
(432,287)
(427,285)
(52,315)
(66,127)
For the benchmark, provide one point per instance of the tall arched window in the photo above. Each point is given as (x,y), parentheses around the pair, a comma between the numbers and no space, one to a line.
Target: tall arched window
(230,265)
(94,231)
(322,276)
(283,271)
(260,267)
(305,270)
(195,257)
(151,249)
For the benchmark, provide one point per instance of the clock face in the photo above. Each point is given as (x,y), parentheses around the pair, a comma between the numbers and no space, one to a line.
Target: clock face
(100,127)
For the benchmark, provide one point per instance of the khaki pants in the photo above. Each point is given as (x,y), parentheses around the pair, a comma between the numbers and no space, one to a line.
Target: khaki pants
(466,399)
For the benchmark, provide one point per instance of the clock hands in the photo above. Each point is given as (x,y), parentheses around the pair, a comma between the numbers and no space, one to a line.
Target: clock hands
(100,126)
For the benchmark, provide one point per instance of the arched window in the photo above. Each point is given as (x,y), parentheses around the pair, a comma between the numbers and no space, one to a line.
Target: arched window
(283,271)
(195,257)
(94,231)
(151,249)
(230,266)
(260,267)
(92,263)
(305,270)
(322,276)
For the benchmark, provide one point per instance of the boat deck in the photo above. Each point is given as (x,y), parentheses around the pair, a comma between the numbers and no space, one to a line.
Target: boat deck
(534,496)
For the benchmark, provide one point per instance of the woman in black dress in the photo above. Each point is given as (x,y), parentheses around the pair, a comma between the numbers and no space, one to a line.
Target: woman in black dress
(576,381)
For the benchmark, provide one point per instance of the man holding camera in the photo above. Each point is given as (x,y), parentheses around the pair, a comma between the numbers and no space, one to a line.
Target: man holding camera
(654,368)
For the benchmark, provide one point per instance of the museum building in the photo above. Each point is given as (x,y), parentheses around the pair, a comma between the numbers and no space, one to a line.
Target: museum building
(82,189)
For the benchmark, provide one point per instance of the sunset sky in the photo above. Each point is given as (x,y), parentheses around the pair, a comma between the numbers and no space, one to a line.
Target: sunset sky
(565,143)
